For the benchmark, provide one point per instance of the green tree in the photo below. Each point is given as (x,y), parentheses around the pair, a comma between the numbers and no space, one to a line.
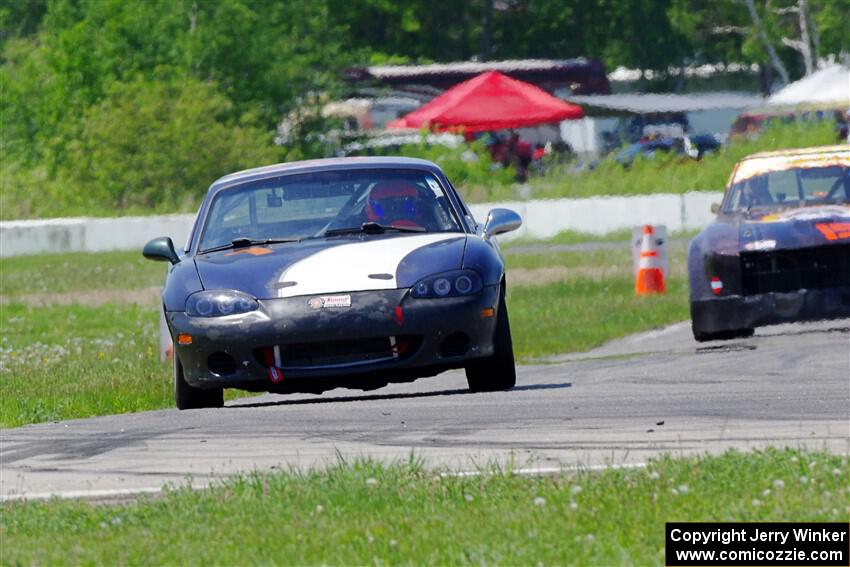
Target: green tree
(65,64)
(772,35)
(832,26)
(266,54)
(409,31)
(160,143)
(20,18)
(715,33)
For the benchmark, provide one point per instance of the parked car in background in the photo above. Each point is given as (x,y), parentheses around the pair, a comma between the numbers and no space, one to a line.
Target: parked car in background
(694,146)
(779,250)
(348,272)
(753,122)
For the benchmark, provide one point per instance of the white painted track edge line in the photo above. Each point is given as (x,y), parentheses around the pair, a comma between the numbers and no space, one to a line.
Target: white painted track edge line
(110,493)
(88,494)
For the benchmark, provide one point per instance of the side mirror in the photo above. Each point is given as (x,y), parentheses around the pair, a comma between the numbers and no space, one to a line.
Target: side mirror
(715,208)
(500,221)
(162,249)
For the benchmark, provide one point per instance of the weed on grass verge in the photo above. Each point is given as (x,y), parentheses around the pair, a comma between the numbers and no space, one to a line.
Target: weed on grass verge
(366,513)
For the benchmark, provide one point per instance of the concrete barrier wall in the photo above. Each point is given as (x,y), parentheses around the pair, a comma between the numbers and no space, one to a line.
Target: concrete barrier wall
(133,232)
(601,215)
(541,219)
(85,234)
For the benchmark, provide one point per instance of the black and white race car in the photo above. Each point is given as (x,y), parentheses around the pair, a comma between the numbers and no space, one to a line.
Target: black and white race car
(351,272)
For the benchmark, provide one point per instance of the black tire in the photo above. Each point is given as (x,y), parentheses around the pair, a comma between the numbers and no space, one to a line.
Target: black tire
(189,397)
(497,372)
(702,336)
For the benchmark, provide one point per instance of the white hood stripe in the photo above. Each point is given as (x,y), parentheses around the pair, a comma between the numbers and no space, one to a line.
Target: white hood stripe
(347,267)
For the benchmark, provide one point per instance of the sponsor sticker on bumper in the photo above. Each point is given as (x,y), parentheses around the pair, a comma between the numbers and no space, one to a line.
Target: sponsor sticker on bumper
(330,302)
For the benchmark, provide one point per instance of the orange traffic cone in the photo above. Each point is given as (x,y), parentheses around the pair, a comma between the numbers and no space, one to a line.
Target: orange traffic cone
(650,275)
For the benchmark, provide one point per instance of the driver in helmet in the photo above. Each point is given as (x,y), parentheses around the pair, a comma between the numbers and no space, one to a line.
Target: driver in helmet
(395,203)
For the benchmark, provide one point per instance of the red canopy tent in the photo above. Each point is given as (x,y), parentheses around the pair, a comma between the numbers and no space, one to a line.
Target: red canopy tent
(490,101)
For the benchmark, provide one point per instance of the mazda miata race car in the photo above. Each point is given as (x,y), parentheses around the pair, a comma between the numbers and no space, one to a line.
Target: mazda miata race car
(779,250)
(352,272)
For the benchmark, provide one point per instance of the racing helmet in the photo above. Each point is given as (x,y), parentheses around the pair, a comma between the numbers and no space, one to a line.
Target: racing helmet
(394,202)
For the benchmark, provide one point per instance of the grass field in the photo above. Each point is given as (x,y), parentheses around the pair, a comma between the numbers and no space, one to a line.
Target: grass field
(573,301)
(68,361)
(57,273)
(64,353)
(62,358)
(365,513)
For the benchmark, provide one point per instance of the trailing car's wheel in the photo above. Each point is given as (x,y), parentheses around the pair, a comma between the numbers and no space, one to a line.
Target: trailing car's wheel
(188,397)
(702,336)
(496,372)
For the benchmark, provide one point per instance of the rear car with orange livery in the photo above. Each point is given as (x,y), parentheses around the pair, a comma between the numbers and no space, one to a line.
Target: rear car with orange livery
(779,250)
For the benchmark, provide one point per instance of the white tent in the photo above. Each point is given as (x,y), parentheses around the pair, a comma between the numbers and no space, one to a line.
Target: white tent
(828,86)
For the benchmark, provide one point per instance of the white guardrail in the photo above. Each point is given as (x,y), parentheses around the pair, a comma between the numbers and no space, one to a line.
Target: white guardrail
(541,219)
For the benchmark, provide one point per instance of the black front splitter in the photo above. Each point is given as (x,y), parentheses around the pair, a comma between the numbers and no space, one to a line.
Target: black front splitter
(751,311)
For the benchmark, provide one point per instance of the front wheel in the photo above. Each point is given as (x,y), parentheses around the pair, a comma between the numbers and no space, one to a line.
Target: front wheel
(496,372)
(189,397)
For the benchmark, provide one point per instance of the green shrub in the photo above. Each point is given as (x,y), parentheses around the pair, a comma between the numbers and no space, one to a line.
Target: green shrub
(149,146)
(161,143)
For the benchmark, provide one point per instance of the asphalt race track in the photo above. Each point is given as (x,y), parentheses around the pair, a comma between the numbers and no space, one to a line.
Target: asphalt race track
(621,404)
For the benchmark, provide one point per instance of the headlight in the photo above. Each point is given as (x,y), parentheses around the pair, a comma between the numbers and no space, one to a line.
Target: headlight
(219,303)
(442,287)
(458,283)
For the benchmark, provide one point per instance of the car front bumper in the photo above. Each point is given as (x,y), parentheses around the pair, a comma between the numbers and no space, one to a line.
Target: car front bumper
(443,333)
(750,311)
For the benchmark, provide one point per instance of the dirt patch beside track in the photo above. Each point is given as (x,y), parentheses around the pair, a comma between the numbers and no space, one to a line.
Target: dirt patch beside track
(541,276)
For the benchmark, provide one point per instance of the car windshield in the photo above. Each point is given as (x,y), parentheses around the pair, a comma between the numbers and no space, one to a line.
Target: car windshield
(790,187)
(320,204)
